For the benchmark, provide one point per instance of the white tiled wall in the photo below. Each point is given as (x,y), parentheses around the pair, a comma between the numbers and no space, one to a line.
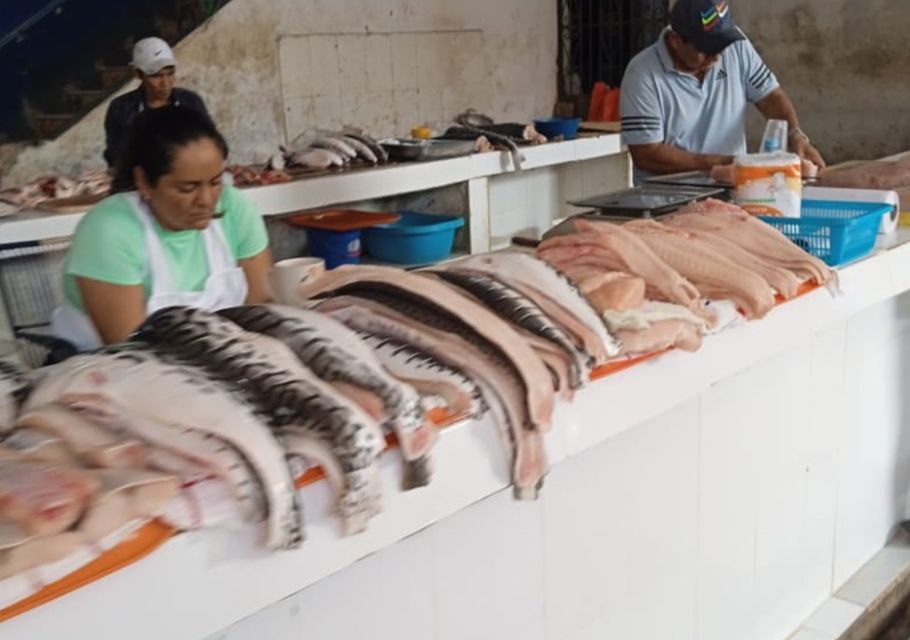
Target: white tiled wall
(731,516)
(386,83)
(528,200)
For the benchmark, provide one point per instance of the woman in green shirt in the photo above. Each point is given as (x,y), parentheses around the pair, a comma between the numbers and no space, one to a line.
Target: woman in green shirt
(174,233)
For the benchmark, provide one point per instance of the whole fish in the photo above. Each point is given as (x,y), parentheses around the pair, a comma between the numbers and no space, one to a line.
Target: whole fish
(378,150)
(138,382)
(314,159)
(363,150)
(285,391)
(336,354)
(337,145)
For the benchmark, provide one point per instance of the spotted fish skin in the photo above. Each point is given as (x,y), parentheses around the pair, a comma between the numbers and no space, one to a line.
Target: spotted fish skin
(14,389)
(390,351)
(523,313)
(502,390)
(282,389)
(334,353)
(416,309)
(139,381)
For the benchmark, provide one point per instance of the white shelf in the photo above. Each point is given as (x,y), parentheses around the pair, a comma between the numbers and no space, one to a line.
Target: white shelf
(354,186)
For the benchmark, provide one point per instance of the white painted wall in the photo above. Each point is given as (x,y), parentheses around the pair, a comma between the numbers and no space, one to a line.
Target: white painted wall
(233,61)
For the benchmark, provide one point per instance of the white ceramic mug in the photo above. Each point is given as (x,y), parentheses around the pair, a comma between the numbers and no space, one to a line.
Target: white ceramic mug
(287,275)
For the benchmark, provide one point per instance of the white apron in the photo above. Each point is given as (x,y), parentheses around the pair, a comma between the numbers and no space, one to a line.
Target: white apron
(225,287)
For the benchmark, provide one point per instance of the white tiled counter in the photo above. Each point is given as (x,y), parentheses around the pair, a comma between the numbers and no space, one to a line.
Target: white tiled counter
(712,496)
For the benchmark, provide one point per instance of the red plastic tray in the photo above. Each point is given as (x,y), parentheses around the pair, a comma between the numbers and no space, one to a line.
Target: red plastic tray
(341,219)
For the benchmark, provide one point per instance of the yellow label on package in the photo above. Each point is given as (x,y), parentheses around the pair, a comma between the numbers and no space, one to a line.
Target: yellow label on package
(768,184)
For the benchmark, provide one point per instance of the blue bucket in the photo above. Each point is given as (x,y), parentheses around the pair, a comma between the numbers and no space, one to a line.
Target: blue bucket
(335,247)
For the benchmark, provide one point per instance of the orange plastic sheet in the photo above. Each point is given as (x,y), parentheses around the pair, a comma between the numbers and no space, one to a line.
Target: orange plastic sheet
(143,542)
(154,534)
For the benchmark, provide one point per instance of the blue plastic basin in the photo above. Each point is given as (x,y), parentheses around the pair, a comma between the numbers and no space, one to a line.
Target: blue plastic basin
(554,127)
(417,238)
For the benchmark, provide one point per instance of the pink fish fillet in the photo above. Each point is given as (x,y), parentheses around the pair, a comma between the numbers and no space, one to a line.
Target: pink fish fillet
(91,442)
(614,290)
(44,499)
(753,235)
(785,282)
(715,275)
(661,335)
(616,249)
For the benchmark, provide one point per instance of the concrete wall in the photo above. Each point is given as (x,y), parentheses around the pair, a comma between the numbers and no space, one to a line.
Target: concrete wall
(845,65)
(233,61)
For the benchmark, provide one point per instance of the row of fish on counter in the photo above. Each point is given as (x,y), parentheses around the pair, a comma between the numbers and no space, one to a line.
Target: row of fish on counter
(92,183)
(321,150)
(312,151)
(232,407)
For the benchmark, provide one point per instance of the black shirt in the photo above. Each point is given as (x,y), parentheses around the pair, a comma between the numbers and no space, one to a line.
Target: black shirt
(124,108)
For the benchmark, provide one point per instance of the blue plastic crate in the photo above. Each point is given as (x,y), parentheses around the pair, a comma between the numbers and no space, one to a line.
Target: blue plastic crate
(835,231)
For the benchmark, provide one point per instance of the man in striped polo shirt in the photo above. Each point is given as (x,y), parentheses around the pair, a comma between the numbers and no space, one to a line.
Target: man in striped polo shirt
(684,99)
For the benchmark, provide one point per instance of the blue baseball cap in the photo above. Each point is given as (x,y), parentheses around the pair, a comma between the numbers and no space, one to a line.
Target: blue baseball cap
(706,24)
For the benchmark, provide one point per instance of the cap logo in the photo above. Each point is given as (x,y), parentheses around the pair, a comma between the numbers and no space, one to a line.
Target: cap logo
(712,17)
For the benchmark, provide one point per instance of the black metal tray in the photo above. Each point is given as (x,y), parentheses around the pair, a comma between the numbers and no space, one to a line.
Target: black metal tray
(648,200)
(412,149)
(690,179)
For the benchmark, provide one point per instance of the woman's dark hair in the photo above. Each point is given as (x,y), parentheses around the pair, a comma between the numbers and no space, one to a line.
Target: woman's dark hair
(155,136)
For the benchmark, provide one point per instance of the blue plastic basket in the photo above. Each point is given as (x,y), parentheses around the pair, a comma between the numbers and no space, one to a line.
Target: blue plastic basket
(837,232)
(416,238)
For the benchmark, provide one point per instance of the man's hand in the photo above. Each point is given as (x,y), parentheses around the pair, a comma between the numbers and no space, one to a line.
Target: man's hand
(662,158)
(804,149)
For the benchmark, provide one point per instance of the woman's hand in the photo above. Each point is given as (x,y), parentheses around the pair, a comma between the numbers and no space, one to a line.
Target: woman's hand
(116,310)
(256,270)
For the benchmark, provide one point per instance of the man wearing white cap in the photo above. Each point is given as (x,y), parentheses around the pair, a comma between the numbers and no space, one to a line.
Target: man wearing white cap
(155,67)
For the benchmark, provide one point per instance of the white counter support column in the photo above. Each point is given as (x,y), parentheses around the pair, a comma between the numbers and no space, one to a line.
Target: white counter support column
(479,215)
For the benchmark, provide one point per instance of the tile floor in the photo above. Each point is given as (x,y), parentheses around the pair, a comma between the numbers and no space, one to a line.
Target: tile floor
(836,614)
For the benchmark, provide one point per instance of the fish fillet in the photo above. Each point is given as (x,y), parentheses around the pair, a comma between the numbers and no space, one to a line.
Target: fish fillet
(709,270)
(753,235)
(285,391)
(337,355)
(182,396)
(446,301)
(617,249)
(42,498)
(493,375)
(556,296)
